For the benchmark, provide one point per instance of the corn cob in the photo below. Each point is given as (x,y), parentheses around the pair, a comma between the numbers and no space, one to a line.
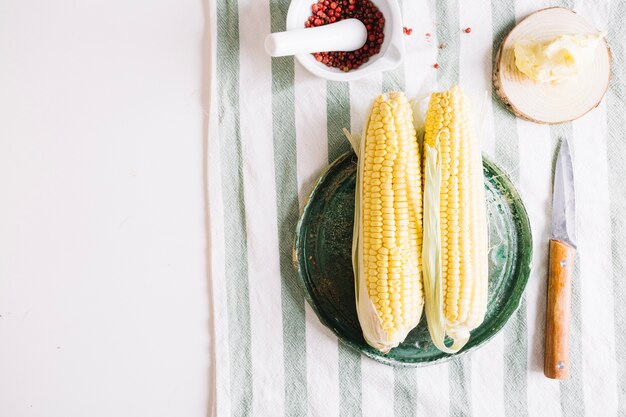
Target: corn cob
(455,223)
(387,229)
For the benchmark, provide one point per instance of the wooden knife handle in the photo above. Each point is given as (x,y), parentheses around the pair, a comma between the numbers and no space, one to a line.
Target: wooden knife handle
(558,313)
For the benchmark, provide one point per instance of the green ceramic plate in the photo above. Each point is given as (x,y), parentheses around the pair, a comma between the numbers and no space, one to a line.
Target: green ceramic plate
(322,255)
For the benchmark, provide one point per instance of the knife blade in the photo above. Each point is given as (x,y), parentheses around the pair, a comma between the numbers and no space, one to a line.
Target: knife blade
(563,198)
(561,264)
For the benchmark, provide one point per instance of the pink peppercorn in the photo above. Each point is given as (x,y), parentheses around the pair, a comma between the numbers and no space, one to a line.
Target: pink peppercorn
(331,11)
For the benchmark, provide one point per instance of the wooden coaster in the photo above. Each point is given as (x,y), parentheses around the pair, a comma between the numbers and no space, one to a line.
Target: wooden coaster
(550,102)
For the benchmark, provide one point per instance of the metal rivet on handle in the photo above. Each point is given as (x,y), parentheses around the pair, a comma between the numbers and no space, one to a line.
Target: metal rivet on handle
(560,365)
(563,263)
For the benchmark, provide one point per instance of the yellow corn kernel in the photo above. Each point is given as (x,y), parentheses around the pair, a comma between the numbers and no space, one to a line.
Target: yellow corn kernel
(388,216)
(453,162)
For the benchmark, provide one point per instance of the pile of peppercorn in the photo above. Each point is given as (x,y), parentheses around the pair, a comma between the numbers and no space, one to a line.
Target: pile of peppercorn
(326,11)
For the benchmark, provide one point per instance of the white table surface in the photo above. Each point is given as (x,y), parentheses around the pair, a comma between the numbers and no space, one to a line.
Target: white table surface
(103,284)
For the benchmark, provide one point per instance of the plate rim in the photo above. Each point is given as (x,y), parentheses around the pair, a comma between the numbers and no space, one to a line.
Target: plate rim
(511,306)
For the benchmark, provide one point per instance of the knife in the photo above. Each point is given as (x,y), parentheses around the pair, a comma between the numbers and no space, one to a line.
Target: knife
(562,254)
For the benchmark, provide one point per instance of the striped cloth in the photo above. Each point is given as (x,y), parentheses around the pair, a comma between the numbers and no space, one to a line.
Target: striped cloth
(273,127)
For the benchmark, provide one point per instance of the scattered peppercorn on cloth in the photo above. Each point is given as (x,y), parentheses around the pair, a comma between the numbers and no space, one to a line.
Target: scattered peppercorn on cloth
(274,127)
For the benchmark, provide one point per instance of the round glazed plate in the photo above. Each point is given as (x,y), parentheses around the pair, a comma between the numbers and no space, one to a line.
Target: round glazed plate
(323,251)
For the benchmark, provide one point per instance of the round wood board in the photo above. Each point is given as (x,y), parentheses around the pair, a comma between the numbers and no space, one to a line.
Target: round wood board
(550,102)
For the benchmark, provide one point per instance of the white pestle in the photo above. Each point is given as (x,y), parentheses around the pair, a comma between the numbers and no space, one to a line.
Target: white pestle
(346,35)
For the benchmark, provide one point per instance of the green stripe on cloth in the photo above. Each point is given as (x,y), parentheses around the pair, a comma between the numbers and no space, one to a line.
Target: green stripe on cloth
(460,386)
(571,390)
(507,154)
(349,361)
(449,33)
(285,161)
(350,391)
(235,250)
(616,154)
(393,80)
(404,392)
(338,118)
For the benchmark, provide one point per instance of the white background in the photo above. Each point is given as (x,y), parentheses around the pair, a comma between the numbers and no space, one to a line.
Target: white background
(103,283)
